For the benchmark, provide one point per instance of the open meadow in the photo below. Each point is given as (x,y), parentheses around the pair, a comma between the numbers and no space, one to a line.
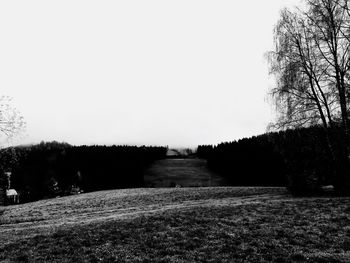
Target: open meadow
(187,172)
(222,224)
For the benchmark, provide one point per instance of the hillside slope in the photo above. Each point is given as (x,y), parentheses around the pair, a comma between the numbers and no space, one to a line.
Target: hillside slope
(178,225)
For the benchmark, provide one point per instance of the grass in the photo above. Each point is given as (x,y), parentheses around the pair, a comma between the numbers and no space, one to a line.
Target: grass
(186,172)
(179,225)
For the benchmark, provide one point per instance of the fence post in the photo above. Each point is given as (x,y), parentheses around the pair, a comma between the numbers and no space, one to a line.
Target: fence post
(3,182)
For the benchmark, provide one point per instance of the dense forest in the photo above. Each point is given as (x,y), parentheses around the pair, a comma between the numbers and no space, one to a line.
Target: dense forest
(298,159)
(54,169)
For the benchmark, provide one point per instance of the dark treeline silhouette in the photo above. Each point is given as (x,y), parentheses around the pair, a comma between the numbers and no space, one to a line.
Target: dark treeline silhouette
(53,169)
(298,159)
(247,162)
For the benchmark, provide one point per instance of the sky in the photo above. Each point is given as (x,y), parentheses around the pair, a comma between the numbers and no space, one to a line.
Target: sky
(138,72)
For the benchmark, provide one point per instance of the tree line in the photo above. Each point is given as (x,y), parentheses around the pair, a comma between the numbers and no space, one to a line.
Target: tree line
(311,63)
(53,169)
(295,158)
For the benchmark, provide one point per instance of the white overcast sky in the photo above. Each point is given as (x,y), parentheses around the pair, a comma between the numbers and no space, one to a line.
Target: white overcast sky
(177,73)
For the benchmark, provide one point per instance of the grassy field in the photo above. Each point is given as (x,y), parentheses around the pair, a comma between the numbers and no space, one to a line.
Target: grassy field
(188,172)
(178,225)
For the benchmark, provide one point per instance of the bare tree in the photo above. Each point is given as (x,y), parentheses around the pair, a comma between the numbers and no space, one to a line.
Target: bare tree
(311,62)
(303,96)
(329,22)
(11,121)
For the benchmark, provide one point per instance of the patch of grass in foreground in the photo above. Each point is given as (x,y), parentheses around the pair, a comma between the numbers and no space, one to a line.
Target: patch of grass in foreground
(305,230)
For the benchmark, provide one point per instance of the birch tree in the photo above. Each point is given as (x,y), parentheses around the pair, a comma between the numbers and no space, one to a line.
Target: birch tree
(329,24)
(303,95)
(311,63)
